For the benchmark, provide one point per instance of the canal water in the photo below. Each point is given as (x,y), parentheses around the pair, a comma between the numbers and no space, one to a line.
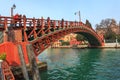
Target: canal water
(81,64)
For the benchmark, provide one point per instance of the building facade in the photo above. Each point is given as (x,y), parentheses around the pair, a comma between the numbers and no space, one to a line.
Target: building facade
(71,38)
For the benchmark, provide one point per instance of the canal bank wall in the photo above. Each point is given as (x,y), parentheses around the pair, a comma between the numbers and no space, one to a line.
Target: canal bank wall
(112,45)
(107,45)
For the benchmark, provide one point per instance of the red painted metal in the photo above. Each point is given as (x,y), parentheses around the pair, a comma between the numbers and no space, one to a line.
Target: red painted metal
(12,52)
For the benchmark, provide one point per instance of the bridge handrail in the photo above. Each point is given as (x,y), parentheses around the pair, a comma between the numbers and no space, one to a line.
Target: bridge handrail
(39,23)
(6,22)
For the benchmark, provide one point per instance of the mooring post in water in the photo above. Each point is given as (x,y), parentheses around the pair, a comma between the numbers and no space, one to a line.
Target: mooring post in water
(33,63)
(23,65)
(1,71)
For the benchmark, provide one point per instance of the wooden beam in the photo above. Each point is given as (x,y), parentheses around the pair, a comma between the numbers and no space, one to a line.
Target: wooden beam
(33,63)
(22,60)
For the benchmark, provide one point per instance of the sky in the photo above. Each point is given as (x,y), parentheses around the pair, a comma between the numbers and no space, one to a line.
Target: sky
(93,10)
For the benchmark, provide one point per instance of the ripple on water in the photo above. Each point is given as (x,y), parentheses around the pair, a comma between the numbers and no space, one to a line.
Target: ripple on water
(78,64)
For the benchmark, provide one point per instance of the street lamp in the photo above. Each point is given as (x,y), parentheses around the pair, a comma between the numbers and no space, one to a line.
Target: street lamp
(78,15)
(13,7)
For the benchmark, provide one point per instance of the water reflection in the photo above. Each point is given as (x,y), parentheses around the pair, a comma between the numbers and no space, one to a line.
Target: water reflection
(59,58)
(88,61)
(81,64)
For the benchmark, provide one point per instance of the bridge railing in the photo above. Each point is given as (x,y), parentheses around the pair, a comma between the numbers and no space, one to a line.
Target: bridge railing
(44,25)
(6,22)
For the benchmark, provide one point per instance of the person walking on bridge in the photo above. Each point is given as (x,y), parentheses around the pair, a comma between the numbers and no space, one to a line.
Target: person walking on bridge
(16,19)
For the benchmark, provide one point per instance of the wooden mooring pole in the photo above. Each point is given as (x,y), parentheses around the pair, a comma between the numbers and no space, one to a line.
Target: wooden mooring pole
(1,71)
(33,63)
(23,65)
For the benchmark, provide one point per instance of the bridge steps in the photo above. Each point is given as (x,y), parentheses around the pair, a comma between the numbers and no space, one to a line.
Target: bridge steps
(7,71)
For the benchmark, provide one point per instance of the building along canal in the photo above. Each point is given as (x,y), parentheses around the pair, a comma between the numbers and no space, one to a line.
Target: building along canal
(81,64)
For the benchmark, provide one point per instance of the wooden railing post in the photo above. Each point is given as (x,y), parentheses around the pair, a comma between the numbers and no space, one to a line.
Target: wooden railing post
(59,25)
(62,23)
(24,21)
(5,24)
(34,25)
(48,25)
(54,27)
(24,24)
(42,26)
(66,24)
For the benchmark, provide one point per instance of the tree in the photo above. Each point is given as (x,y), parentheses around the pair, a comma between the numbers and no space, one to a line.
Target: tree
(118,37)
(65,43)
(80,37)
(88,24)
(110,35)
(2,56)
(108,26)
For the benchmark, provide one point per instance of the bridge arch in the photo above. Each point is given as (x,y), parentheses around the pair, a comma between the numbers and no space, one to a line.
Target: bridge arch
(92,39)
(42,43)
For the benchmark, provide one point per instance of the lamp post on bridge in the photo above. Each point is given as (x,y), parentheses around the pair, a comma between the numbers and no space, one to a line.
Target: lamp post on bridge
(78,13)
(13,7)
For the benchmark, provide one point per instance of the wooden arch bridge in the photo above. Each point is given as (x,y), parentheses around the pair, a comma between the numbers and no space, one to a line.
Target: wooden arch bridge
(41,33)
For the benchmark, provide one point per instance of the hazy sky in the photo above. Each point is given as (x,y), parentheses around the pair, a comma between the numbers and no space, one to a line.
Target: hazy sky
(93,10)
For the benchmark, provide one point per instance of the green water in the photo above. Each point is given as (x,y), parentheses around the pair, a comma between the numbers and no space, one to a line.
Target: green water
(81,64)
